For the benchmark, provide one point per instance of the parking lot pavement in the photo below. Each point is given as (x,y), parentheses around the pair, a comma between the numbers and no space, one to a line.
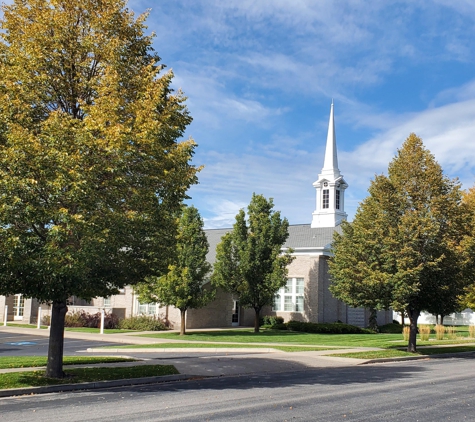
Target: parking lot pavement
(13,343)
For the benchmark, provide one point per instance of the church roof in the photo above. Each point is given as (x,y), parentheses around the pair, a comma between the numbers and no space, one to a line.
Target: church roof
(300,236)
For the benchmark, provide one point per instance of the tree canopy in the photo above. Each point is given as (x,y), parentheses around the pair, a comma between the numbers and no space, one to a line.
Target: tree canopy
(91,170)
(184,285)
(249,260)
(404,248)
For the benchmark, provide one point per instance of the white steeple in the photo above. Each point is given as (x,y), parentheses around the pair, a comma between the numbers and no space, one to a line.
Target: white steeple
(330,186)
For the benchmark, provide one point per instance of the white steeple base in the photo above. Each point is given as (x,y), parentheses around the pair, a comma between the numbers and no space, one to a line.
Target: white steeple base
(327,219)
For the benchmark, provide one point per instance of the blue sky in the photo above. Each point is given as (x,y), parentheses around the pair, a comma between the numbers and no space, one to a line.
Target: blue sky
(260,76)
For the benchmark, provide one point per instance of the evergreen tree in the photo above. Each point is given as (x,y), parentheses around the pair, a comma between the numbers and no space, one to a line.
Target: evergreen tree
(409,233)
(184,285)
(249,259)
(91,172)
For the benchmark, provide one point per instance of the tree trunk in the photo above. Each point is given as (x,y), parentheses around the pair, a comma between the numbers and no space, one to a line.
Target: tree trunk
(183,322)
(402,318)
(441,319)
(256,319)
(54,368)
(373,319)
(413,317)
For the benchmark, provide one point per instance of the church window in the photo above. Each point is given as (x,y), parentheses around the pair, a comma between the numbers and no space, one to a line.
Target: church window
(290,298)
(147,308)
(337,199)
(326,198)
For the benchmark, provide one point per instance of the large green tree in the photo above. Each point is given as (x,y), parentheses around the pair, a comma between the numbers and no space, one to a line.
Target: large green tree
(91,170)
(404,248)
(467,298)
(184,285)
(249,260)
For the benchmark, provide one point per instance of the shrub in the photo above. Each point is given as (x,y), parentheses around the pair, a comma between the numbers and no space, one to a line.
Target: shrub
(270,320)
(395,321)
(424,332)
(439,332)
(405,332)
(142,323)
(83,319)
(392,328)
(471,330)
(337,328)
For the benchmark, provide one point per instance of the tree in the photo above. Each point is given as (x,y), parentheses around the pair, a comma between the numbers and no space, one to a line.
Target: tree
(91,172)
(406,240)
(184,284)
(467,298)
(249,260)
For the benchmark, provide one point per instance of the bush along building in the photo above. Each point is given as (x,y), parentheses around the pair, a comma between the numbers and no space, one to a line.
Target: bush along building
(305,297)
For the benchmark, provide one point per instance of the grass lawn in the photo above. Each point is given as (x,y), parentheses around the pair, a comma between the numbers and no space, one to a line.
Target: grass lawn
(97,330)
(31,361)
(43,327)
(398,353)
(287,337)
(385,341)
(77,375)
(217,346)
(78,329)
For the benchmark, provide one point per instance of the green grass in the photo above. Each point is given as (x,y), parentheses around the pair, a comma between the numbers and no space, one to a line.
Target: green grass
(401,353)
(287,337)
(13,324)
(217,346)
(32,361)
(384,341)
(78,329)
(374,354)
(77,375)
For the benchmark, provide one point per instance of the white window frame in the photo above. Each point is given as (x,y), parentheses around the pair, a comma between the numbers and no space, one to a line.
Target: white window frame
(326,198)
(291,294)
(147,308)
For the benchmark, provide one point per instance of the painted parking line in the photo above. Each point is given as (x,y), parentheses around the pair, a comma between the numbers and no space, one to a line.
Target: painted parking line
(21,343)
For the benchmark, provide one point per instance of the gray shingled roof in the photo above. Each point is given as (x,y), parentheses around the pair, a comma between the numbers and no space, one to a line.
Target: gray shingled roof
(300,236)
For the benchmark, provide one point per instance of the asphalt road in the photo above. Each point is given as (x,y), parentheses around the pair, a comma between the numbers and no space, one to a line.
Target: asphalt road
(13,344)
(429,390)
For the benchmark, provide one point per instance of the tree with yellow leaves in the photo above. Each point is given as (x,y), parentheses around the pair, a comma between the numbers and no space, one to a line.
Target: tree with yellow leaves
(92,172)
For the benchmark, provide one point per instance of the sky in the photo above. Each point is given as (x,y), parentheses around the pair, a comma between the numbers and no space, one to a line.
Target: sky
(260,76)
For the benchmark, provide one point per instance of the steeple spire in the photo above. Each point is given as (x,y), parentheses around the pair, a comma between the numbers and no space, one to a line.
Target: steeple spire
(330,165)
(330,186)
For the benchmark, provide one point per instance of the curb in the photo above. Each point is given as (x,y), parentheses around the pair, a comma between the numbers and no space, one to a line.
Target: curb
(95,385)
(419,357)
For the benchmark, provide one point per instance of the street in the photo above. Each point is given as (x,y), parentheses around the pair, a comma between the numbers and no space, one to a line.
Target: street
(427,390)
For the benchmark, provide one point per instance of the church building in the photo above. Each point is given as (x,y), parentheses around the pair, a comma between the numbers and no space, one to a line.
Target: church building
(305,297)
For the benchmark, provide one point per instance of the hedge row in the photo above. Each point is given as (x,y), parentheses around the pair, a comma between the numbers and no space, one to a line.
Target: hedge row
(336,328)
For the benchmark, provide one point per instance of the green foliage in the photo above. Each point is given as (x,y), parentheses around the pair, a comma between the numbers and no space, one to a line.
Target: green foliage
(142,323)
(404,248)
(271,321)
(90,168)
(467,298)
(249,260)
(184,285)
(394,328)
(336,328)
